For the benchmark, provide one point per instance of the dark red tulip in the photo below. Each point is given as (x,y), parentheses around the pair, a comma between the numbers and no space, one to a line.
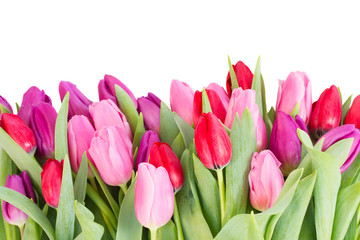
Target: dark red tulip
(353,116)
(244,77)
(51,177)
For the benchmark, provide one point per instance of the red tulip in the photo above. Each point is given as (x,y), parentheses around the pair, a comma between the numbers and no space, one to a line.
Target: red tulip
(353,116)
(51,177)
(244,77)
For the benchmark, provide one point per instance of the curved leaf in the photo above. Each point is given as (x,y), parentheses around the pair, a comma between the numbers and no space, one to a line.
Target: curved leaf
(61,141)
(81,180)
(168,127)
(127,107)
(139,132)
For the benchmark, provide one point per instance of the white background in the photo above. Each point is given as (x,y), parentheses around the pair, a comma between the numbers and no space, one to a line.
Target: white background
(147,44)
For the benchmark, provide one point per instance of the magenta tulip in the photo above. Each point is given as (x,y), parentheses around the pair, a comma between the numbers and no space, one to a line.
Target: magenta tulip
(148,139)
(150,108)
(181,100)
(5,104)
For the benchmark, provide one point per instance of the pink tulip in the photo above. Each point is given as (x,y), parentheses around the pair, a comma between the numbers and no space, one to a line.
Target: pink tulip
(154,196)
(221,93)
(181,100)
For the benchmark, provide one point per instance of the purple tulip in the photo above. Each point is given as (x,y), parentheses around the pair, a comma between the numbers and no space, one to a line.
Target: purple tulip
(150,108)
(20,183)
(181,100)
(32,97)
(78,102)
(5,104)
(149,138)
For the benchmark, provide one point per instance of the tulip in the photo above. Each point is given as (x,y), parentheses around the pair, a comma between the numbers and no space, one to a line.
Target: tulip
(154,196)
(105,113)
(32,97)
(19,132)
(181,100)
(150,108)
(161,155)
(107,89)
(80,133)
(220,92)
(51,177)
(340,133)
(148,139)
(78,102)
(5,104)
(212,142)
(326,113)
(20,183)
(240,100)
(244,77)
(111,151)
(296,89)
(265,180)
(353,115)
(42,122)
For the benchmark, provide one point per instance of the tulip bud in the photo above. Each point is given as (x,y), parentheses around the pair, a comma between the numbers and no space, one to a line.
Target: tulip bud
(353,115)
(105,113)
(32,97)
(148,139)
(19,132)
(340,133)
(326,113)
(162,155)
(296,89)
(221,93)
(150,108)
(51,177)
(78,102)
(80,133)
(181,100)
(20,183)
(244,77)
(111,151)
(212,142)
(107,89)
(265,180)
(42,122)
(154,196)
(5,104)
(239,101)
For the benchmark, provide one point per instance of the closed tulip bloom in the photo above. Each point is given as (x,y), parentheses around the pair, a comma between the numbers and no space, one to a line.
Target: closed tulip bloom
(78,102)
(212,142)
(42,122)
(5,104)
(326,113)
(106,89)
(353,116)
(19,132)
(296,89)
(154,196)
(162,155)
(220,92)
(181,100)
(111,151)
(20,183)
(340,133)
(244,77)
(265,180)
(148,139)
(239,101)
(32,97)
(150,108)
(51,177)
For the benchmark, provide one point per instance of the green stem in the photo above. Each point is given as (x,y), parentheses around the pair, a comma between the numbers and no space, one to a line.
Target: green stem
(222,194)
(93,183)
(177,221)
(124,188)
(21,228)
(153,234)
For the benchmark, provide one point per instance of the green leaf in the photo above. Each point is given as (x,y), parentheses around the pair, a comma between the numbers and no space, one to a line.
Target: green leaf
(234,82)
(186,130)
(206,107)
(295,110)
(178,145)
(65,218)
(168,127)
(128,225)
(305,139)
(345,109)
(61,141)
(308,230)
(351,232)
(139,132)
(32,230)
(167,232)
(3,109)
(340,150)
(243,143)
(127,107)
(272,115)
(81,180)
(254,231)
(350,175)
(257,86)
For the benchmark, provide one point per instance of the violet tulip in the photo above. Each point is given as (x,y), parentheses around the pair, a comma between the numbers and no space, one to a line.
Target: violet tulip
(340,133)
(51,177)
(326,113)
(106,89)
(5,104)
(353,115)
(181,100)
(111,151)
(42,122)
(265,180)
(296,89)
(150,108)
(20,183)
(19,132)
(212,142)
(162,155)
(148,139)
(154,196)
(239,101)
(32,97)
(243,75)
(78,102)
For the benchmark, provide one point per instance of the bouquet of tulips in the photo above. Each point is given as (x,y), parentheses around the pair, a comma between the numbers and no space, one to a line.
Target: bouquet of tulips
(216,164)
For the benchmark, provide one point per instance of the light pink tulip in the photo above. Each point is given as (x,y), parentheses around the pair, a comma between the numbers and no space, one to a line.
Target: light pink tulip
(221,93)
(241,99)
(296,89)
(265,180)
(154,196)
(181,100)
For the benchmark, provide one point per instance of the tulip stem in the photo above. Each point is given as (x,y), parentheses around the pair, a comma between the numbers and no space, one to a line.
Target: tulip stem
(177,221)
(153,234)
(93,183)
(124,188)
(222,194)
(21,228)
